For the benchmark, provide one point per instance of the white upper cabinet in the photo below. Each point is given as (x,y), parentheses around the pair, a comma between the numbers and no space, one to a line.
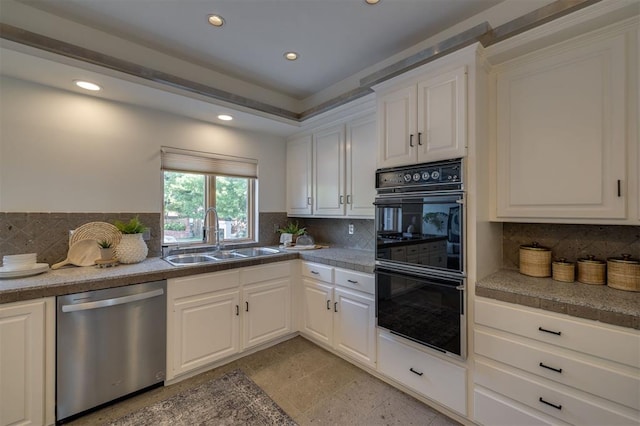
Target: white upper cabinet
(424,121)
(331,173)
(561,136)
(442,116)
(328,171)
(361,167)
(299,156)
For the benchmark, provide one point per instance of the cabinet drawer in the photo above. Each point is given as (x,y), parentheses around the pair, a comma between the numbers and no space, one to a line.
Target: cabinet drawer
(585,336)
(616,385)
(550,399)
(355,280)
(432,377)
(493,410)
(256,274)
(317,272)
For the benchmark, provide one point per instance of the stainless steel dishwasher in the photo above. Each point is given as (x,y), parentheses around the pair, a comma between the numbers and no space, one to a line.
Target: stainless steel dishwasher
(109,343)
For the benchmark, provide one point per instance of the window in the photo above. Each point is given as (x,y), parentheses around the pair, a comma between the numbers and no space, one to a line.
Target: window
(194,182)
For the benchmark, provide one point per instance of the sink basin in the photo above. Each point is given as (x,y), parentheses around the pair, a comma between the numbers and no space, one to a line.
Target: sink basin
(256,251)
(217,256)
(189,259)
(225,255)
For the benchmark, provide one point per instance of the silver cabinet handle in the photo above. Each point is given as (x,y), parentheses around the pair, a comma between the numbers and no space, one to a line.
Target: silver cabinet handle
(112,302)
(315,272)
(348,199)
(353,281)
(411,140)
(308,201)
(341,201)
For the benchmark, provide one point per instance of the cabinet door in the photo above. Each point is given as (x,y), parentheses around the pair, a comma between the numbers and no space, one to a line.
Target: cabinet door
(22,363)
(397,127)
(561,134)
(299,155)
(317,322)
(267,311)
(442,116)
(361,167)
(205,329)
(354,325)
(328,172)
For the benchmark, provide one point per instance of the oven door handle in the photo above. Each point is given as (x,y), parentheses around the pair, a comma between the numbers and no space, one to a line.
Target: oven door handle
(460,288)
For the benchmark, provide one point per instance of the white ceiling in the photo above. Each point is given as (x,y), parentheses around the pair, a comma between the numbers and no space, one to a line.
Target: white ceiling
(335,38)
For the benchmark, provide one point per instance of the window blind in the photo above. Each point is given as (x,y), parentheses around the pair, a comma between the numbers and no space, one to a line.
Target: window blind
(182,160)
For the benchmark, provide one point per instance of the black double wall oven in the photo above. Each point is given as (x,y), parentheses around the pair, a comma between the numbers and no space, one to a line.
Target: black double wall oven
(420,261)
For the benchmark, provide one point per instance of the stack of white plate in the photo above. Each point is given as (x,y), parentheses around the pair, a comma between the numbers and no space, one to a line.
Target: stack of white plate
(21,265)
(19,262)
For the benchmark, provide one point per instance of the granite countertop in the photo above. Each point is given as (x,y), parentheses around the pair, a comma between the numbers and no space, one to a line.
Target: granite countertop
(594,302)
(73,279)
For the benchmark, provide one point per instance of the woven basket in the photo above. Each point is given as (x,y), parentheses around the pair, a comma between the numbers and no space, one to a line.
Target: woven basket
(99,231)
(564,271)
(535,260)
(623,273)
(591,271)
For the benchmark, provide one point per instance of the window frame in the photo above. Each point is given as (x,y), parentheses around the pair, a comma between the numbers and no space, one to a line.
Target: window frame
(211,166)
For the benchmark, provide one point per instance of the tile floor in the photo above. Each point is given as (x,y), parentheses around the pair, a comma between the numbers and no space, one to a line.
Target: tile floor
(312,385)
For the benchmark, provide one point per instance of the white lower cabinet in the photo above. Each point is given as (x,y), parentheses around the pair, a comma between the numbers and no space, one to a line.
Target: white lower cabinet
(492,409)
(339,312)
(27,350)
(266,300)
(203,320)
(437,379)
(561,369)
(214,316)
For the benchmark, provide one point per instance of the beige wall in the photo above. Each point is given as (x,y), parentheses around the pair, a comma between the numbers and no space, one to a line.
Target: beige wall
(64,152)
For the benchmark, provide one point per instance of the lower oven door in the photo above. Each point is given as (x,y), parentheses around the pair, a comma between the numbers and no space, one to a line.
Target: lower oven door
(427,309)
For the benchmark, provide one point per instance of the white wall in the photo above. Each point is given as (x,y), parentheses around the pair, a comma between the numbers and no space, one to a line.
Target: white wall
(64,152)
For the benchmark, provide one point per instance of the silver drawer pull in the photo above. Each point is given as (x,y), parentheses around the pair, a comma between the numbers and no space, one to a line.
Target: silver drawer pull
(557,333)
(315,272)
(415,372)
(558,406)
(353,281)
(557,370)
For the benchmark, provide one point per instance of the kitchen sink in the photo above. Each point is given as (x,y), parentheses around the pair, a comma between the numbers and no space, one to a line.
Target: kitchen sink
(256,251)
(225,255)
(189,259)
(218,255)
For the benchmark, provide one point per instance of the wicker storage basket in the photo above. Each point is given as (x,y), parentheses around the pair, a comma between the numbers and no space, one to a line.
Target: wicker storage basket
(623,273)
(591,271)
(564,271)
(535,260)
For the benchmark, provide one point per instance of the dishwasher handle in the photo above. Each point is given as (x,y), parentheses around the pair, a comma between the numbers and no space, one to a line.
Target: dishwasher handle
(112,302)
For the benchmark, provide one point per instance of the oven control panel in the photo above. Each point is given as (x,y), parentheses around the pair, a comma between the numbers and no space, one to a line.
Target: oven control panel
(444,175)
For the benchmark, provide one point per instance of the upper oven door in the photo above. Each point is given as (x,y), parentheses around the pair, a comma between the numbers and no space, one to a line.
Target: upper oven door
(421,230)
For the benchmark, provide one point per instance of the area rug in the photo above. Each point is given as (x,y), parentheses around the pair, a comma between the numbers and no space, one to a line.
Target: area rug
(233,399)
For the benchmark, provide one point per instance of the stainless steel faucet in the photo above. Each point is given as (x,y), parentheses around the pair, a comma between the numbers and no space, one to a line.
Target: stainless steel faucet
(205,228)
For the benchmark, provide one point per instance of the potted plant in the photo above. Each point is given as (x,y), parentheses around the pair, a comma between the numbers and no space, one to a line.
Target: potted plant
(106,250)
(132,248)
(291,232)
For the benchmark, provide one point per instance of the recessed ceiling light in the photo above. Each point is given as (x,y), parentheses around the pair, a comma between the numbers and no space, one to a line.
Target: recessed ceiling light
(87,85)
(372,1)
(216,20)
(225,117)
(291,56)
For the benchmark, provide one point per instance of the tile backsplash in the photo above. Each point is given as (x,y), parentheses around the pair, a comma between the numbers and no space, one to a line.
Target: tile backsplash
(335,232)
(570,241)
(47,234)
